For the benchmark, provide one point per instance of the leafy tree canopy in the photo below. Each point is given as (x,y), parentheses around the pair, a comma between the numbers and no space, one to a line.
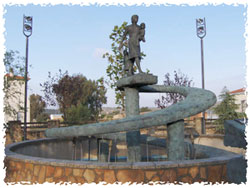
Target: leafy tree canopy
(227,108)
(37,107)
(13,62)
(78,113)
(76,95)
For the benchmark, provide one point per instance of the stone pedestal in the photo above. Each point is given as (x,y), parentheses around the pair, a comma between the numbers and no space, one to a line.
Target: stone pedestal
(175,141)
(130,86)
(132,137)
(136,80)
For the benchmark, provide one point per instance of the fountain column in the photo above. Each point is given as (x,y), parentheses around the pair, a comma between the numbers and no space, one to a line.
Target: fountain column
(130,86)
(175,141)
(132,137)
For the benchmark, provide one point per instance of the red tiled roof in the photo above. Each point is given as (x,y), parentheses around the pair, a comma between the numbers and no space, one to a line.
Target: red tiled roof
(16,77)
(242,90)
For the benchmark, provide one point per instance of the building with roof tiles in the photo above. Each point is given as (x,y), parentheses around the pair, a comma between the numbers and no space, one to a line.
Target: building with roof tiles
(14,100)
(240,98)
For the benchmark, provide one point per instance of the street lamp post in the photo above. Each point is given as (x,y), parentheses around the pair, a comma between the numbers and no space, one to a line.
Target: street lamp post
(201,33)
(27,31)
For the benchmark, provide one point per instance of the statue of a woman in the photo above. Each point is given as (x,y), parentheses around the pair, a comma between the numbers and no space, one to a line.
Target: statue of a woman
(134,32)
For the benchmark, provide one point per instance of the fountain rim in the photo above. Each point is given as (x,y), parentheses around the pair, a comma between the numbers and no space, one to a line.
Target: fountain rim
(111,165)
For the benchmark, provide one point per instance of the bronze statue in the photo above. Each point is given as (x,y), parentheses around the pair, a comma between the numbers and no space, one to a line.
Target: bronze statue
(142,32)
(128,65)
(136,34)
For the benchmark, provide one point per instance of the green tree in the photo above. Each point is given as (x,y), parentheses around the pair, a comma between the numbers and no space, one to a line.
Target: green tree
(13,84)
(37,107)
(75,94)
(115,68)
(226,110)
(79,113)
(115,58)
(180,79)
(13,62)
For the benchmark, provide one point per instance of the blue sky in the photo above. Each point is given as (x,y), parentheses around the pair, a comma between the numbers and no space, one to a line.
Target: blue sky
(74,38)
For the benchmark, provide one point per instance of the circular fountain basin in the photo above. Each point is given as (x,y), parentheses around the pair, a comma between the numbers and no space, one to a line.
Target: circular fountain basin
(53,160)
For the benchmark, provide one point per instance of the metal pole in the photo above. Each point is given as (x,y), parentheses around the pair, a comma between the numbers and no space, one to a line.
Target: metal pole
(27,31)
(25,92)
(202,64)
(89,148)
(203,125)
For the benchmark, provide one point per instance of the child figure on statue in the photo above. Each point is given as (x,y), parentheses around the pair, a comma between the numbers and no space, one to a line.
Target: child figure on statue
(142,32)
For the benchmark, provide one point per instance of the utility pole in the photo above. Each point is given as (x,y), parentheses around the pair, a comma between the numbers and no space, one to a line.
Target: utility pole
(27,31)
(201,33)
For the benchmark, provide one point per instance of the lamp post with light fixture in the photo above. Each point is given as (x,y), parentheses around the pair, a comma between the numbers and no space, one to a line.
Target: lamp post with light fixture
(27,31)
(201,33)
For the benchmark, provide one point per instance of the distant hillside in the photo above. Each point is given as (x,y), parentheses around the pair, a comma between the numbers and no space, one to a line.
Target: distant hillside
(105,110)
(108,110)
(52,111)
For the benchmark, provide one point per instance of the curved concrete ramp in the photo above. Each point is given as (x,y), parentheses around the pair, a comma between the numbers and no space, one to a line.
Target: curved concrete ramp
(196,101)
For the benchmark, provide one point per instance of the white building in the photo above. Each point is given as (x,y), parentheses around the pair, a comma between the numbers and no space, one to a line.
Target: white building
(14,99)
(240,98)
(56,117)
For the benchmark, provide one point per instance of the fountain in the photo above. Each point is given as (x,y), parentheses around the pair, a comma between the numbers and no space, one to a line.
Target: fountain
(116,151)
